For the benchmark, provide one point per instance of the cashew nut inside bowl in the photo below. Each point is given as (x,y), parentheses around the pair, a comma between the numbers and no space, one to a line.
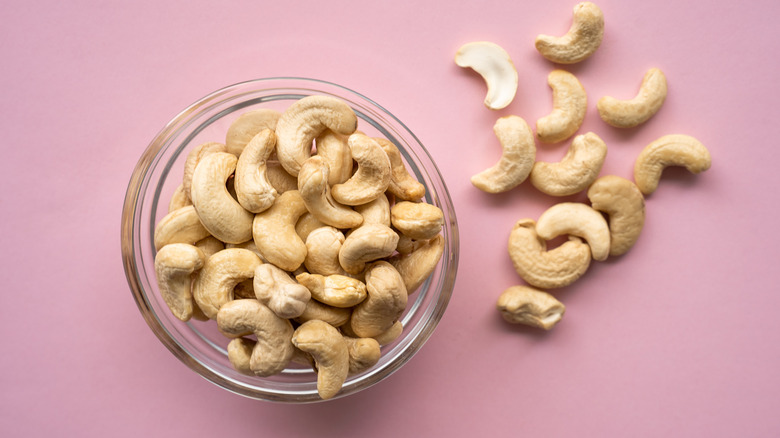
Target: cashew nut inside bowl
(174,265)
(373,174)
(253,190)
(495,66)
(330,352)
(580,42)
(248,125)
(634,112)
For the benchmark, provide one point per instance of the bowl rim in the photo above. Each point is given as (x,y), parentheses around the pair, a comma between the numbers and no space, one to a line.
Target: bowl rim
(128,241)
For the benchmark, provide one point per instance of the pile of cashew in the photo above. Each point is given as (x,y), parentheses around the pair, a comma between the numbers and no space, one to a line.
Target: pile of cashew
(301,253)
(611,224)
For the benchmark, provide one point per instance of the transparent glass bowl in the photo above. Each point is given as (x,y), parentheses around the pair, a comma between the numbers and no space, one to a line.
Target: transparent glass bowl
(159,171)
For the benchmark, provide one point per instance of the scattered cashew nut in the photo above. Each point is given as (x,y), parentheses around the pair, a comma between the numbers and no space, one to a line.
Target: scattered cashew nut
(634,112)
(570,103)
(495,66)
(330,352)
(576,171)
(580,42)
(624,205)
(517,159)
(529,306)
(576,219)
(174,265)
(669,150)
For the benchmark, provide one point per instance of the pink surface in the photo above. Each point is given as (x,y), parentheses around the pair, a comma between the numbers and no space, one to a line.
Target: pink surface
(678,338)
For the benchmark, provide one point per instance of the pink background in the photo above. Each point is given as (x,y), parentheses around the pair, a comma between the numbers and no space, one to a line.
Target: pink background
(680,337)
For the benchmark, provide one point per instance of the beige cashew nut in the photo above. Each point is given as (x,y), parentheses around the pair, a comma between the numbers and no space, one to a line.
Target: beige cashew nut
(418,220)
(495,66)
(334,290)
(416,266)
(517,157)
(179,199)
(386,301)
(220,275)
(373,174)
(580,42)
(402,185)
(576,219)
(330,352)
(192,160)
(570,103)
(576,171)
(274,349)
(542,268)
(634,112)
(363,353)
(240,354)
(174,265)
(247,126)
(277,290)
(669,150)
(253,190)
(624,205)
(315,192)
(219,212)
(530,306)
(274,232)
(279,179)
(303,121)
(315,310)
(322,251)
(367,243)
(179,226)
(335,153)
(376,211)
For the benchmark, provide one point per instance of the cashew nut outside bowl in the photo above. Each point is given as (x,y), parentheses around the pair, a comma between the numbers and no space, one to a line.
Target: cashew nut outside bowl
(580,42)
(576,170)
(624,205)
(517,157)
(579,220)
(669,150)
(529,306)
(634,112)
(495,66)
(570,103)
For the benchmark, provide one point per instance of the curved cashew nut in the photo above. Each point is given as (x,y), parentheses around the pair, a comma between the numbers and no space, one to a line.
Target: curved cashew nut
(373,174)
(179,226)
(363,353)
(335,152)
(330,352)
(274,349)
(402,185)
(303,121)
(416,266)
(529,306)
(277,290)
(517,159)
(622,201)
(253,190)
(322,251)
(334,290)
(376,211)
(669,150)
(222,215)
(495,66)
(306,224)
(634,112)
(174,265)
(192,160)
(315,310)
(367,243)
(179,199)
(385,303)
(220,275)
(210,245)
(418,220)
(570,102)
(546,269)
(579,220)
(279,179)
(240,355)
(248,125)
(576,171)
(274,232)
(582,39)
(315,191)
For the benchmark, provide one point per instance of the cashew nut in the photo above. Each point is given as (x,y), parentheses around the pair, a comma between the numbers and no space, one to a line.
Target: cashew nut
(240,355)
(274,349)
(363,353)
(277,290)
(315,191)
(274,232)
(376,211)
(220,274)
(334,290)
(222,215)
(633,112)
(495,66)
(570,103)
(335,153)
(517,159)
(386,301)
(391,334)
(576,171)
(624,204)
(576,219)
(315,310)
(248,125)
(542,268)
(179,226)
(322,251)
(418,220)
(373,174)
(330,352)
(179,199)
(192,160)
(303,121)
(210,245)
(279,179)
(306,224)
(669,150)
(402,185)
(174,265)
(582,39)
(253,190)
(529,306)
(367,243)
(416,266)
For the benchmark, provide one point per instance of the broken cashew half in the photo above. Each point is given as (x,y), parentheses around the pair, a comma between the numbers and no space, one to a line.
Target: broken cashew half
(576,219)
(634,112)
(174,265)
(495,66)
(330,352)
(517,158)
(542,268)
(576,171)
(530,306)
(624,205)
(570,102)
(580,42)
(669,150)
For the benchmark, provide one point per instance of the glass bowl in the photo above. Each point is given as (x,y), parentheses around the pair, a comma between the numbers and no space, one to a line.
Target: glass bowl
(158,173)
